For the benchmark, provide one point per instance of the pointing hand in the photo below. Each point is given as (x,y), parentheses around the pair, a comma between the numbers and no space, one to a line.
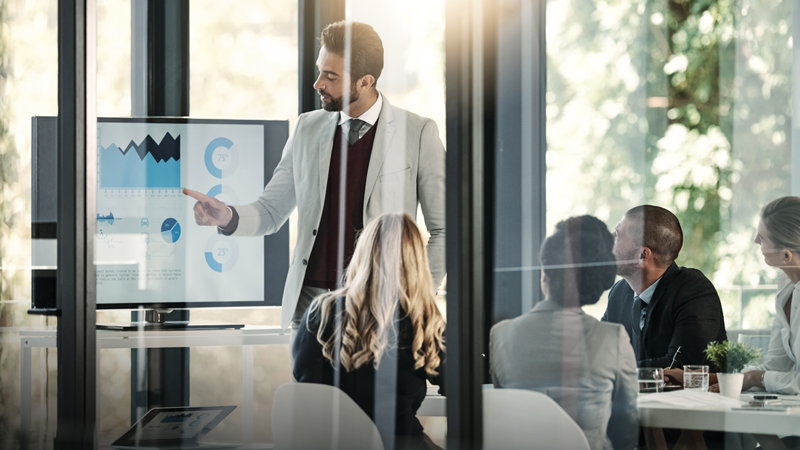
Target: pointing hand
(208,211)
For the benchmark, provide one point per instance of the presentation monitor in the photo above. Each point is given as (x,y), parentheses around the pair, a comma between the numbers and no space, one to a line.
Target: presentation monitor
(149,252)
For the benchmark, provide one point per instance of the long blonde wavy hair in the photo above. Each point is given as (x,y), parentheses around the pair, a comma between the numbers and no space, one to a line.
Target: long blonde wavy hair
(389,270)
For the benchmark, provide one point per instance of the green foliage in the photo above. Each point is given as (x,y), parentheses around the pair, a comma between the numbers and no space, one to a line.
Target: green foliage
(731,357)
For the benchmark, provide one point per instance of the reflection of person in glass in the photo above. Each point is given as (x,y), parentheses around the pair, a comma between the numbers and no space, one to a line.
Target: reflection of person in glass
(585,365)
(344,165)
(381,335)
(779,238)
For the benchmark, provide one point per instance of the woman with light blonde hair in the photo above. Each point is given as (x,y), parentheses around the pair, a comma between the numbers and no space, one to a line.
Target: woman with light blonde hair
(778,238)
(380,336)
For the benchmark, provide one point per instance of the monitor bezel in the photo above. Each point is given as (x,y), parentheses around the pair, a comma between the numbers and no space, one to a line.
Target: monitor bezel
(269,162)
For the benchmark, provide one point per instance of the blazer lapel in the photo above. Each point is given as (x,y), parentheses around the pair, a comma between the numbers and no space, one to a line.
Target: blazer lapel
(663,284)
(324,151)
(383,137)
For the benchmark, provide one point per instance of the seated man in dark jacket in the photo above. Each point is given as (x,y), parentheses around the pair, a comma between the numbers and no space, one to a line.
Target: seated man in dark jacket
(661,305)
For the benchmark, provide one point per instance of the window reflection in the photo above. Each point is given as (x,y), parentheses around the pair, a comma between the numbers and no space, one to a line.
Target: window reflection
(655,102)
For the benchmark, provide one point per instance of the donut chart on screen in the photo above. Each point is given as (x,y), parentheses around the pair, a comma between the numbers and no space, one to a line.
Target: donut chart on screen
(221,253)
(224,193)
(221,157)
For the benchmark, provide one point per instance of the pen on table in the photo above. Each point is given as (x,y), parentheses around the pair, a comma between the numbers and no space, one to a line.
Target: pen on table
(675,357)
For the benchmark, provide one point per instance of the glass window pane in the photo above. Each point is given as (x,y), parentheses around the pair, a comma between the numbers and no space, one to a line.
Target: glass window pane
(29,82)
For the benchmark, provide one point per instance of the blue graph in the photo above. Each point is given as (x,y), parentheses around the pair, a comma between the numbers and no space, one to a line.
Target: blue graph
(222,164)
(221,253)
(171,230)
(150,165)
(108,219)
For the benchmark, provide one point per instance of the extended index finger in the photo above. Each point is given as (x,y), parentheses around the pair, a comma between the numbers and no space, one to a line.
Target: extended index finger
(195,195)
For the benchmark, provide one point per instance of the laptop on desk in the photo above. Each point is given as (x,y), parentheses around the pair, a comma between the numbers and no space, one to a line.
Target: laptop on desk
(179,427)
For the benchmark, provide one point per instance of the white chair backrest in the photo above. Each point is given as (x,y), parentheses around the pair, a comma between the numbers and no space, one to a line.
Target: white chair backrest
(519,419)
(757,339)
(308,416)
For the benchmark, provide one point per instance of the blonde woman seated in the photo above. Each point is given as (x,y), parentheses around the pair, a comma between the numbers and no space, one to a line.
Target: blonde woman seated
(380,337)
(587,366)
(779,239)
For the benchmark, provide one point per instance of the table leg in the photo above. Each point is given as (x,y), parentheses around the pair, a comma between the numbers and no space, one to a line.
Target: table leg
(655,438)
(25,390)
(691,440)
(247,394)
(770,442)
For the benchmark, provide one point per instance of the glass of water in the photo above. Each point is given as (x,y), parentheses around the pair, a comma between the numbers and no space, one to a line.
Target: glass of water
(651,379)
(695,377)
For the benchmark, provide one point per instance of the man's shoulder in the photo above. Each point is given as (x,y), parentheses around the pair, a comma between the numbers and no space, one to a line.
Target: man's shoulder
(685,284)
(410,119)
(315,118)
(689,277)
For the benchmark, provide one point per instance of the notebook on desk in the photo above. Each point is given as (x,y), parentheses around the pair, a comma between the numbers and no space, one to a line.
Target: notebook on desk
(179,427)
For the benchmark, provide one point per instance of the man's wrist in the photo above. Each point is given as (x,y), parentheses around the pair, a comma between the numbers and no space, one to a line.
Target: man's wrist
(232,224)
(230,211)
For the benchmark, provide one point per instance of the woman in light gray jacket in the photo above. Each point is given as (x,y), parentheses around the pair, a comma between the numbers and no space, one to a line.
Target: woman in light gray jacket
(778,237)
(587,366)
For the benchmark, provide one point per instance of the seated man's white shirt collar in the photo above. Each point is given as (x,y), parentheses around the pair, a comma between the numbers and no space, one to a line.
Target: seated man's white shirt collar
(370,116)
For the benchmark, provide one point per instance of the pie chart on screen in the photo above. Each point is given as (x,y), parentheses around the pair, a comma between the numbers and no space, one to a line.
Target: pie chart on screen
(171,230)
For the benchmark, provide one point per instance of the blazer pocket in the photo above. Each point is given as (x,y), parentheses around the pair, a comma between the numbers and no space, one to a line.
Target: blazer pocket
(397,174)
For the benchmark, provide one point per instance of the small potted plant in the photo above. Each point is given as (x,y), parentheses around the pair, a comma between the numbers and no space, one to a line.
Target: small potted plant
(731,358)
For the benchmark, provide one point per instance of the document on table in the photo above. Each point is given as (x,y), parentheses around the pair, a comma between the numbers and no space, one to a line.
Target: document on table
(689,399)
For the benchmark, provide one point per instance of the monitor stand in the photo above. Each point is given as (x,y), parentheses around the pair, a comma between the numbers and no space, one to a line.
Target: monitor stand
(155,320)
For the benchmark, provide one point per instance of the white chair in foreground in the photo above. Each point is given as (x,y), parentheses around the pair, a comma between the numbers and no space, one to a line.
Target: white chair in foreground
(520,419)
(307,416)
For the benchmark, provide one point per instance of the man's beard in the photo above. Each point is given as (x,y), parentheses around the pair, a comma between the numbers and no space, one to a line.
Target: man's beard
(625,266)
(337,103)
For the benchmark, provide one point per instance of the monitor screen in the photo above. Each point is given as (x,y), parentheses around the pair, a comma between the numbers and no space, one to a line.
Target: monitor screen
(148,249)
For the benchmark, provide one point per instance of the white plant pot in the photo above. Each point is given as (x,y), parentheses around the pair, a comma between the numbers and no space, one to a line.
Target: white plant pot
(730,384)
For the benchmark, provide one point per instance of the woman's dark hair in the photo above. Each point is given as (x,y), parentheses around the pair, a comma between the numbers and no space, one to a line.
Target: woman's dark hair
(578,261)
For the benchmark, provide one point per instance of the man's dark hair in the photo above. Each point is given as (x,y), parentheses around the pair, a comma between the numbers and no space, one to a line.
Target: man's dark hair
(657,229)
(366,47)
(578,261)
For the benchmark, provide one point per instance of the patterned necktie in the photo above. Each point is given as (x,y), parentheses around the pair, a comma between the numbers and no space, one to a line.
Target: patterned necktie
(636,318)
(355,127)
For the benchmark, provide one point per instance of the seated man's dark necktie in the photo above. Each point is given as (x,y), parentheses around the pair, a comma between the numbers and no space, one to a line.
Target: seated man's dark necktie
(636,317)
(355,128)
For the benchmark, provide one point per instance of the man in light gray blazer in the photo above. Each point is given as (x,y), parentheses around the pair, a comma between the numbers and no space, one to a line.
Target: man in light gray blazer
(344,165)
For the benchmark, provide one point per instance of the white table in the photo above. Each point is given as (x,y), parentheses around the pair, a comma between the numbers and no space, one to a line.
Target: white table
(434,404)
(763,425)
(245,337)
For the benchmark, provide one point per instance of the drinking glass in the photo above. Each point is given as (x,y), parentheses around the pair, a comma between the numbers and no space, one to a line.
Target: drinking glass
(695,377)
(651,379)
